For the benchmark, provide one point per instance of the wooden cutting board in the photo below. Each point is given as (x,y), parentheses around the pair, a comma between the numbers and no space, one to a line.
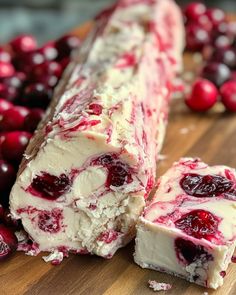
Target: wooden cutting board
(210,136)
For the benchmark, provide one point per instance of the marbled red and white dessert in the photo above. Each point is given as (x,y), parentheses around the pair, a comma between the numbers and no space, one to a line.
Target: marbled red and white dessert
(90,166)
(189,227)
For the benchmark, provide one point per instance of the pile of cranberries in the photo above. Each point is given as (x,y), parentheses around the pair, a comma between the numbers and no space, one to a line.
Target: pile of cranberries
(28,75)
(209,32)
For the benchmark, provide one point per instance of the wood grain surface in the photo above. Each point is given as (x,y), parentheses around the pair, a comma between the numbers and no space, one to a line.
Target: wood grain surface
(210,136)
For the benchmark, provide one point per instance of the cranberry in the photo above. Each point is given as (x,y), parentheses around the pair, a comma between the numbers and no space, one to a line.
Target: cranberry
(8,242)
(216,16)
(7,92)
(196,37)
(203,186)
(95,109)
(194,10)
(32,119)
(5,55)
(49,51)
(64,62)
(50,186)
(4,105)
(23,44)
(15,81)
(25,62)
(223,273)
(203,96)
(36,95)
(228,95)
(14,145)
(225,56)
(51,68)
(6,69)
(187,252)
(198,224)
(220,29)
(222,42)
(9,221)
(66,44)
(49,221)
(14,118)
(7,176)
(217,73)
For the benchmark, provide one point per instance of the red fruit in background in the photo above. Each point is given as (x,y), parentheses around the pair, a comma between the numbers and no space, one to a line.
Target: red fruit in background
(23,44)
(203,96)
(7,176)
(225,56)
(64,62)
(26,61)
(194,10)
(7,92)
(216,16)
(14,118)
(47,68)
(4,105)
(14,145)
(222,42)
(228,95)
(196,37)
(6,69)
(66,44)
(5,55)
(32,119)
(15,81)
(8,242)
(49,51)
(36,95)
(217,73)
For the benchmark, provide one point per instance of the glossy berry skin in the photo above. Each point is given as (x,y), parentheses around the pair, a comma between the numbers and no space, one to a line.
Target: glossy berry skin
(194,10)
(36,95)
(14,118)
(226,56)
(23,44)
(4,105)
(66,44)
(5,55)
(14,145)
(216,16)
(7,176)
(217,73)
(8,242)
(6,69)
(196,37)
(49,51)
(7,92)
(15,81)
(50,68)
(203,96)
(228,95)
(26,61)
(32,119)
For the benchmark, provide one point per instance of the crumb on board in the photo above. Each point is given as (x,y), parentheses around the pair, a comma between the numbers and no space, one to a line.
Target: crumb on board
(205,293)
(156,286)
(186,130)
(162,157)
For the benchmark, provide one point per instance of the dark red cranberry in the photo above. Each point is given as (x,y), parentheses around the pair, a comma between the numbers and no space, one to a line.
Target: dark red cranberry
(49,221)
(187,252)
(117,175)
(4,105)
(233,259)
(194,10)
(50,186)
(217,73)
(15,81)
(49,81)
(7,176)
(225,56)
(228,95)
(205,186)
(5,55)
(220,29)
(7,92)
(223,42)
(14,145)
(216,16)
(203,96)
(23,44)
(198,224)
(95,109)
(64,62)
(8,242)
(204,23)
(6,69)
(49,51)
(36,95)
(14,118)
(50,68)
(105,160)
(196,37)
(223,273)
(9,221)
(32,119)
(66,44)
(25,62)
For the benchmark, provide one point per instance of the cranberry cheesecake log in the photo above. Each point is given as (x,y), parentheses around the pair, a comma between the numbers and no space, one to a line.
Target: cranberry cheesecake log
(88,170)
(189,227)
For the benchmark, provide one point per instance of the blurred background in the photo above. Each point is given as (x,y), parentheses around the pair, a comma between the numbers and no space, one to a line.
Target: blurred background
(49,19)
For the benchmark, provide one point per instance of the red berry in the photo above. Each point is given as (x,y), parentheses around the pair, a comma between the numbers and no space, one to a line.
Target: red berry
(8,242)
(14,145)
(4,105)
(14,118)
(217,73)
(32,119)
(5,55)
(203,96)
(6,69)
(27,61)
(66,44)
(198,223)
(49,51)
(95,109)
(226,56)
(64,62)
(23,44)
(50,186)
(196,37)
(194,10)
(216,16)
(223,42)
(8,92)
(50,68)
(36,95)
(7,176)
(228,95)
(49,221)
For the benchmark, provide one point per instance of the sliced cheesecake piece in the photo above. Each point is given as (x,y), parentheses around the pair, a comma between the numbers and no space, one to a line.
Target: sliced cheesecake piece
(92,163)
(189,227)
